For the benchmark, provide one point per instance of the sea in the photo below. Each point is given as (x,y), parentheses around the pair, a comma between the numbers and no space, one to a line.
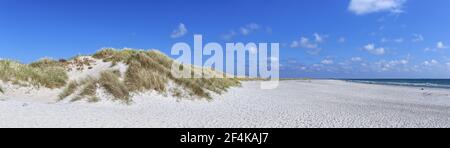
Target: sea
(433,83)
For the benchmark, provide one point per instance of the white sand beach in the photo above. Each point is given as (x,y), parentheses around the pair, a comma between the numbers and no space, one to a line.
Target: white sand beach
(316,103)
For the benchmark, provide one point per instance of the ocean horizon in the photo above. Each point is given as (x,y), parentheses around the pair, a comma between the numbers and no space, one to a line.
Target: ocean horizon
(430,83)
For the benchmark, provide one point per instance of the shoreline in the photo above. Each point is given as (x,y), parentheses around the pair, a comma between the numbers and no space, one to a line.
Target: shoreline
(369,83)
(394,85)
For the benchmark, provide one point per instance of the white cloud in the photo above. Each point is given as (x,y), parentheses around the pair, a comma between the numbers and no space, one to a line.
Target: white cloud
(399,40)
(229,35)
(179,32)
(441,45)
(430,62)
(318,38)
(304,42)
(361,7)
(392,65)
(418,38)
(369,47)
(374,50)
(249,28)
(312,45)
(327,62)
(428,49)
(356,59)
(245,30)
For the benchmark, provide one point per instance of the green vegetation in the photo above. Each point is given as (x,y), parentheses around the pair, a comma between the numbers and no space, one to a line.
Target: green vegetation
(45,73)
(46,63)
(151,71)
(110,80)
(89,90)
(147,71)
(68,90)
(113,55)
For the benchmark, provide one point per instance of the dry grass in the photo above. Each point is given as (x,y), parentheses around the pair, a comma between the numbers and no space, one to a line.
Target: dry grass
(113,55)
(68,90)
(45,73)
(89,90)
(110,80)
(144,73)
(151,70)
(46,62)
(147,71)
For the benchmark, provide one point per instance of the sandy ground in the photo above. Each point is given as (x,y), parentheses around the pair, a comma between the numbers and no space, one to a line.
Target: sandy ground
(318,103)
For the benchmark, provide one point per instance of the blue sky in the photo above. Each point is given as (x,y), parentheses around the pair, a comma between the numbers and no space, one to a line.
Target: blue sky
(319,38)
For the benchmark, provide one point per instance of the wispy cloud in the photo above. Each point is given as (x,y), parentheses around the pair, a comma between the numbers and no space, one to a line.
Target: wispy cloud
(179,32)
(431,62)
(417,38)
(312,45)
(246,30)
(372,49)
(318,38)
(327,62)
(356,59)
(395,40)
(441,45)
(249,28)
(361,7)
(399,40)
(391,65)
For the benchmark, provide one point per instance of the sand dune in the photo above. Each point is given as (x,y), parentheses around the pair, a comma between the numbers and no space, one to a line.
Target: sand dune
(317,103)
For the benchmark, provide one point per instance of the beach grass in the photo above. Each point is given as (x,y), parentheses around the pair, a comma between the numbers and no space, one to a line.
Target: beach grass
(110,81)
(147,70)
(45,73)
(88,90)
(151,70)
(68,90)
